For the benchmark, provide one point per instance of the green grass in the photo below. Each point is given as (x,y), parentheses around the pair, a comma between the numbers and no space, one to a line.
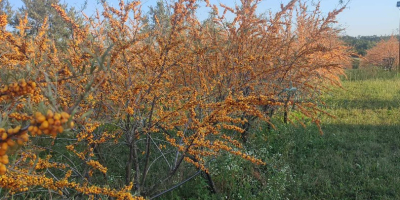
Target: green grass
(370,73)
(357,157)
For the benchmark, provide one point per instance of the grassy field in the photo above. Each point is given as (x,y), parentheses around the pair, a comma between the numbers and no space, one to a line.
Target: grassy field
(357,157)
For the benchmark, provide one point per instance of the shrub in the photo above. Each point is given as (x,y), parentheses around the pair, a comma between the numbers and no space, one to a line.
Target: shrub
(161,100)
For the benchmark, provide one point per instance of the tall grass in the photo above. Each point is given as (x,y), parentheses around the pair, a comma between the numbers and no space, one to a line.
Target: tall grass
(370,73)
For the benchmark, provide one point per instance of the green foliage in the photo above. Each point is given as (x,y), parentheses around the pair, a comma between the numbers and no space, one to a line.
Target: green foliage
(38,10)
(355,63)
(5,8)
(158,14)
(362,43)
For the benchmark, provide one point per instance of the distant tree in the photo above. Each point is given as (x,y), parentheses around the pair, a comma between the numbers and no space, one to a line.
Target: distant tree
(159,14)
(385,54)
(361,44)
(5,8)
(38,10)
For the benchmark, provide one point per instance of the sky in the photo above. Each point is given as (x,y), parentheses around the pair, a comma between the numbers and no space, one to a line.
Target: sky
(360,18)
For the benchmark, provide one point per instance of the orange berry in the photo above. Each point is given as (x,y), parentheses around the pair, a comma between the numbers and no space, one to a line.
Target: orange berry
(41,119)
(30,128)
(57,116)
(4,146)
(2,152)
(33,84)
(44,125)
(65,115)
(25,137)
(51,121)
(20,141)
(17,129)
(50,114)
(60,129)
(57,123)
(4,159)
(10,131)
(22,83)
(10,142)
(53,133)
(4,136)
(3,169)
(38,114)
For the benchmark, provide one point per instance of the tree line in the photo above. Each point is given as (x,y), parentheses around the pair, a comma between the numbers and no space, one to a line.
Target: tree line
(363,43)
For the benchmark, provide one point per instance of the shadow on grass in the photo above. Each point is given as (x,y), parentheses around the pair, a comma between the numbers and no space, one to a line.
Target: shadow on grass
(349,161)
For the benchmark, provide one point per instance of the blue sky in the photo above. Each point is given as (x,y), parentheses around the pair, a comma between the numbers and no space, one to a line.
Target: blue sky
(362,17)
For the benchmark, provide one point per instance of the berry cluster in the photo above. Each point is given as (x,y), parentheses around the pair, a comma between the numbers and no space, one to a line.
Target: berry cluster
(17,89)
(49,124)
(19,116)
(7,140)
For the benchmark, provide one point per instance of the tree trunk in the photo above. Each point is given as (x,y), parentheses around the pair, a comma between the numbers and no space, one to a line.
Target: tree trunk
(132,161)
(128,166)
(210,182)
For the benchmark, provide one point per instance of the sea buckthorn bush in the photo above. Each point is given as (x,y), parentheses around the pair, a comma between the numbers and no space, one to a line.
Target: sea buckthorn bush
(134,105)
(384,55)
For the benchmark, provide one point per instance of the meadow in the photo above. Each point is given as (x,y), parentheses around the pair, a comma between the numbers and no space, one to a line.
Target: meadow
(357,157)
